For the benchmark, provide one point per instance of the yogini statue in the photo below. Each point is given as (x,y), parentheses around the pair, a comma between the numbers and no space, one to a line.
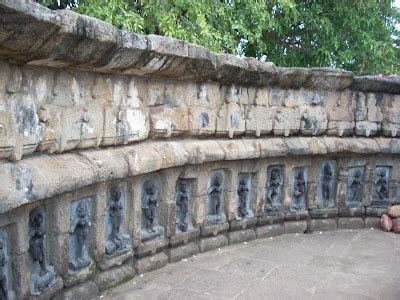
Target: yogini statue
(116,241)
(355,188)
(80,229)
(36,241)
(242,191)
(149,205)
(182,203)
(381,185)
(298,200)
(273,203)
(3,271)
(214,192)
(326,183)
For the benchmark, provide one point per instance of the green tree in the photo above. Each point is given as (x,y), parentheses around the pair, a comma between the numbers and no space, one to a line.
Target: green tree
(357,35)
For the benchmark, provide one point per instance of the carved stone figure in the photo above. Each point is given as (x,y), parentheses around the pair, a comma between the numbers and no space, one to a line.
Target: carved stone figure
(273,201)
(298,202)
(80,230)
(243,192)
(149,205)
(116,242)
(326,182)
(354,189)
(3,271)
(214,191)
(381,188)
(43,276)
(182,205)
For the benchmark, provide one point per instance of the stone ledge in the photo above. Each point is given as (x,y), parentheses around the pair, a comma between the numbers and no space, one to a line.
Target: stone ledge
(376,84)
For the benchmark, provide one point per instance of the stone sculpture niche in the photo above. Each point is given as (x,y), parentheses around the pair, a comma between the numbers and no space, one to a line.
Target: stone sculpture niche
(299,190)
(182,200)
(354,187)
(215,214)
(326,186)
(273,199)
(79,235)
(116,241)
(380,189)
(42,274)
(150,214)
(5,292)
(243,209)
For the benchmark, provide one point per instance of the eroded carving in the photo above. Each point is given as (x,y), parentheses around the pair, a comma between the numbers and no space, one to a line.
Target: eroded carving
(380,193)
(214,191)
(42,274)
(4,282)
(326,186)
(150,203)
(354,190)
(182,205)
(117,242)
(243,191)
(273,200)
(79,231)
(298,201)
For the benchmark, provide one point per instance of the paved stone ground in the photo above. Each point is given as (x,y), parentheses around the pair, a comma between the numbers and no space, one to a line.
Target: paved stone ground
(362,264)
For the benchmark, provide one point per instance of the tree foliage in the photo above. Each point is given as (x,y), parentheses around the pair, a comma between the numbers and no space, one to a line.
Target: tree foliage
(357,35)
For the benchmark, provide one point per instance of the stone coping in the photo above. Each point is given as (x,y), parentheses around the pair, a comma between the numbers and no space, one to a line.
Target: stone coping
(34,35)
(44,176)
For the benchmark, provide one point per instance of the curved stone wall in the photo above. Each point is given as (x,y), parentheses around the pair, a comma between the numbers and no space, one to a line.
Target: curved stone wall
(120,153)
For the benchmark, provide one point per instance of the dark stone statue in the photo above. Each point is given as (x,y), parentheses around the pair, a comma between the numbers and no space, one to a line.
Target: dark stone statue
(182,205)
(116,242)
(43,276)
(3,271)
(243,193)
(381,188)
(214,191)
(150,203)
(298,202)
(80,230)
(326,182)
(354,189)
(273,201)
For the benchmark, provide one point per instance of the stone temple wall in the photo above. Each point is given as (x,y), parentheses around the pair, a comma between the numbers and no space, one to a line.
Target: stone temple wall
(120,153)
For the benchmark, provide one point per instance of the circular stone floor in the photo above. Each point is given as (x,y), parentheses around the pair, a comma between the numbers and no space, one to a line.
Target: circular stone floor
(358,264)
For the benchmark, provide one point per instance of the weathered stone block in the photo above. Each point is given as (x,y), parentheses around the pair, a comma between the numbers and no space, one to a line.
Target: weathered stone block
(269,230)
(350,223)
(184,237)
(86,290)
(322,225)
(73,278)
(323,213)
(208,230)
(240,236)
(263,220)
(375,212)
(181,252)
(295,227)
(201,121)
(150,263)
(242,224)
(301,215)
(231,120)
(110,262)
(211,243)
(352,211)
(372,222)
(168,121)
(259,120)
(151,247)
(286,121)
(340,128)
(114,276)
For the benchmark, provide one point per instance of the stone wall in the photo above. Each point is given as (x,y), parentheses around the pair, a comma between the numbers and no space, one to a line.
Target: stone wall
(120,153)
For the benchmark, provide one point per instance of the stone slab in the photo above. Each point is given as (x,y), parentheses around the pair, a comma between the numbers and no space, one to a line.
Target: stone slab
(242,224)
(72,278)
(209,230)
(302,215)
(110,262)
(114,276)
(87,290)
(350,223)
(352,211)
(322,225)
(240,236)
(151,247)
(150,263)
(375,212)
(295,227)
(54,289)
(269,230)
(184,237)
(263,220)
(211,243)
(178,253)
(323,213)
(371,222)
